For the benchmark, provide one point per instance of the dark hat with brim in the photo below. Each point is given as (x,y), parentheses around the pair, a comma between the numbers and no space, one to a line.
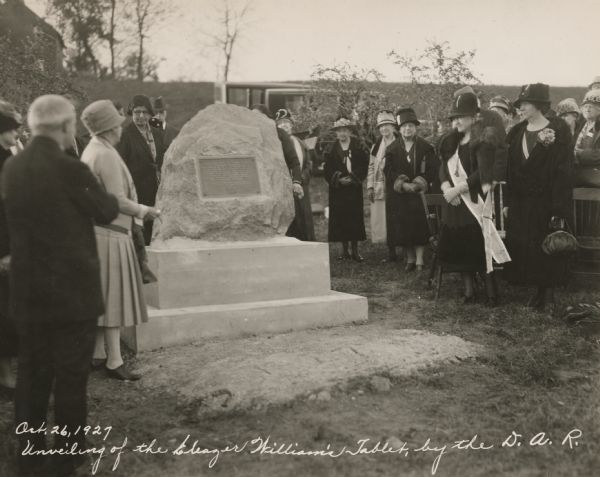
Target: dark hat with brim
(465,103)
(138,101)
(159,104)
(536,93)
(407,115)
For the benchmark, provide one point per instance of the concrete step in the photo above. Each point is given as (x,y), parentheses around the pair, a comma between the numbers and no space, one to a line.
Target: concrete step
(218,274)
(177,326)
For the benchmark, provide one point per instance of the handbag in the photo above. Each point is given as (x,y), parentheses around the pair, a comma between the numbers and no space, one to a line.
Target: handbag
(560,241)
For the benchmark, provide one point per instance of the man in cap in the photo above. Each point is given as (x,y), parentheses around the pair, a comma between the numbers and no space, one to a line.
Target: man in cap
(52,202)
(168,131)
(142,149)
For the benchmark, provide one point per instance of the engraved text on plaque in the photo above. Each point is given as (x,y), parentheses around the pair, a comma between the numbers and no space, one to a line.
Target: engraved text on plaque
(227,176)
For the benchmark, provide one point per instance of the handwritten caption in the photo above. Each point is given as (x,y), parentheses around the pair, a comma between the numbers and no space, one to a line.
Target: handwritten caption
(189,446)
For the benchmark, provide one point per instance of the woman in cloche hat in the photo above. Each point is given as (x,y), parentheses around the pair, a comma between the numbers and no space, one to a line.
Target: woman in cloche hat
(386,125)
(539,193)
(120,274)
(410,169)
(346,165)
(468,155)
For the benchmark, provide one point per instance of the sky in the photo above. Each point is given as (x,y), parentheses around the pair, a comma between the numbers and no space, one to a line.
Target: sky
(516,41)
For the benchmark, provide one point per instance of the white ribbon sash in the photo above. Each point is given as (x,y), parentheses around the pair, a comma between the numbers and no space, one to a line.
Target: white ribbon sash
(483,212)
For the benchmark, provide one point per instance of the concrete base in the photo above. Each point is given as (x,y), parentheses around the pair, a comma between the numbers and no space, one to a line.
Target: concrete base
(179,326)
(242,288)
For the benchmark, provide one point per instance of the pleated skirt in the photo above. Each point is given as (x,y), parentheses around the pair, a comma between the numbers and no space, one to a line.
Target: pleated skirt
(121,280)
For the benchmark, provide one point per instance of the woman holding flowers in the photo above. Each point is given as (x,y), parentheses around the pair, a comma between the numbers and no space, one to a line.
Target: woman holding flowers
(539,193)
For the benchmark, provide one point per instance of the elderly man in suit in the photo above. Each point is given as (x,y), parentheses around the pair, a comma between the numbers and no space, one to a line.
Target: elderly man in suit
(169,132)
(142,149)
(52,201)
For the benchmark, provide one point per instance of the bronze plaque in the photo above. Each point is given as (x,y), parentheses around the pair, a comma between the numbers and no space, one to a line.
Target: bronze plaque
(227,176)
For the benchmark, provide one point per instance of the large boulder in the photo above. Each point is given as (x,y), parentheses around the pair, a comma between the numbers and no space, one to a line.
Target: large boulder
(210,189)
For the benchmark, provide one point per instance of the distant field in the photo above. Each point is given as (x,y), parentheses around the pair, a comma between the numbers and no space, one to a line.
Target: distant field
(186,99)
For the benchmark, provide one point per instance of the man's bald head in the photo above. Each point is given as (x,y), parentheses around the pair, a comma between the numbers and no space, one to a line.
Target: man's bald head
(54,116)
(49,112)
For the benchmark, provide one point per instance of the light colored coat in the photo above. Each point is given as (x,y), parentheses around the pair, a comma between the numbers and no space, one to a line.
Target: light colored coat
(110,170)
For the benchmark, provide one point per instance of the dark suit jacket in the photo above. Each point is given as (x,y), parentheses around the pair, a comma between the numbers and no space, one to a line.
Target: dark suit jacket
(51,202)
(168,135)
(145,171)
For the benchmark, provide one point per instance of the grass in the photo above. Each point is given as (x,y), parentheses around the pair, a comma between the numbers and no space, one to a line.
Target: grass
(536,375)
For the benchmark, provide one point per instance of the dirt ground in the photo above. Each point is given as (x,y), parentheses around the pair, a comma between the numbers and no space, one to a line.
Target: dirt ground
(479,416)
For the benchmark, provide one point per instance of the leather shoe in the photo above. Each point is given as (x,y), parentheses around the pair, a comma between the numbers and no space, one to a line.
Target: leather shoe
(420,268)
(123,373)
(98,363)
(345,256)
(469,299)
(410,267)
(357,257)
(147,274)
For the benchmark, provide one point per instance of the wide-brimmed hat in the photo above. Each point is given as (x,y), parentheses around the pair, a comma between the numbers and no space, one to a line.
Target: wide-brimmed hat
(466,103)
(282,114)
(592,97)
(342,123)
(566,106)
(159,104)
(406,115)
(140,100)
(385,117)
(536,93)
(101,116)
(500,102)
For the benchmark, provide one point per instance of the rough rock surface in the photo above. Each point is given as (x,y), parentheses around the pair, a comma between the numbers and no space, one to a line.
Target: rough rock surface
(216,376)
(224,129)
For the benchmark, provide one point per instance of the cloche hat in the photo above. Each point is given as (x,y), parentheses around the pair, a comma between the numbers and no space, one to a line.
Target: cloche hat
(385,117)
(536,93)
(566,106)
(592,97)
(342,123)
(140,100)
(407,115)
(101,116)
(500,102)
(466,103)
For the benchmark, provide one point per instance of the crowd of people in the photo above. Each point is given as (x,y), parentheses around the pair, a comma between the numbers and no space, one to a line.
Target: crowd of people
(77,212)
(536,154)
(75,217)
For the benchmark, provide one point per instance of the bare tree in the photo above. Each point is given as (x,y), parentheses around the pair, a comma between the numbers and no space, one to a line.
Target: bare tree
(144,14)
(232,21)
(435,73)
(110,35)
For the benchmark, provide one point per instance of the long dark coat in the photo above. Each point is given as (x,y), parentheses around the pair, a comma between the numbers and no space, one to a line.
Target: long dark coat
(405,212)
(144,170)
(8,333)
(346,208)
(302,227)
(538,188)
(52,201)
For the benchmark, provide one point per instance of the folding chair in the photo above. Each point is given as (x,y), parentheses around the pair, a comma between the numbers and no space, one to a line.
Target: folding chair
(586,226)
(440,267)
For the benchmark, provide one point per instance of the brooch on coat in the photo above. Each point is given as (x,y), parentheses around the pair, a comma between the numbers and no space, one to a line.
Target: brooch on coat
(546,137)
